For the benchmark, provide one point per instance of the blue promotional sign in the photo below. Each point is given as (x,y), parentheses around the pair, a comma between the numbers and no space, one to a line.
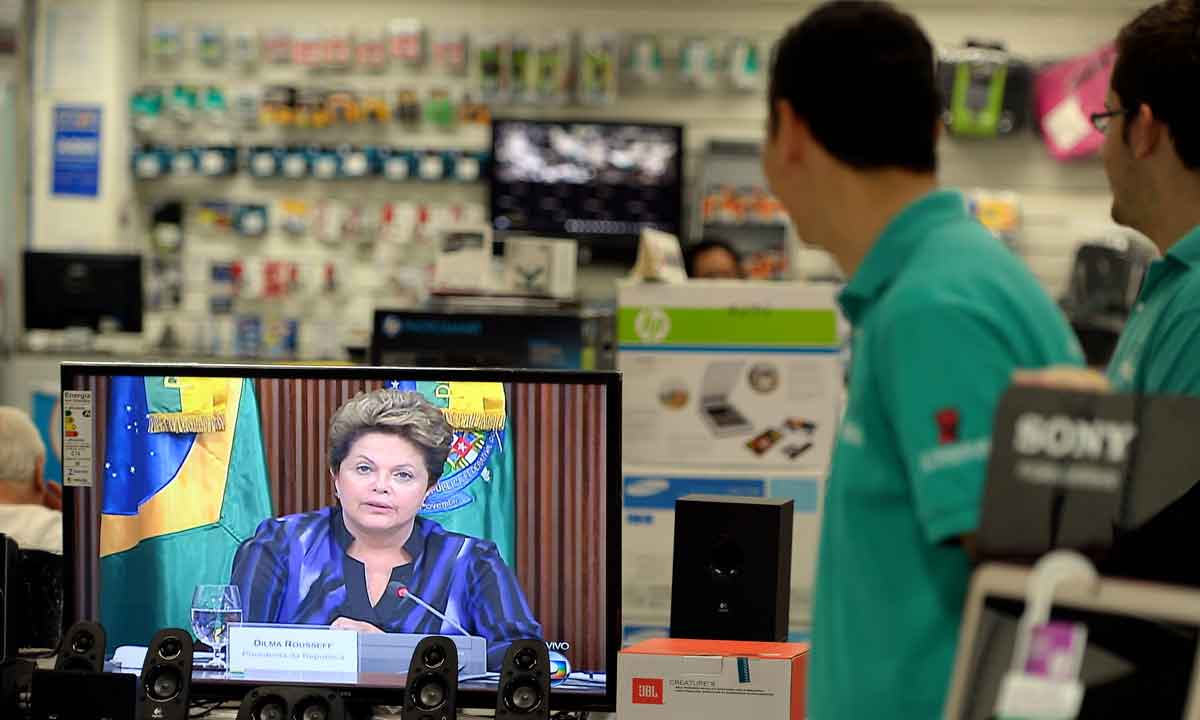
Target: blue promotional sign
(76,168)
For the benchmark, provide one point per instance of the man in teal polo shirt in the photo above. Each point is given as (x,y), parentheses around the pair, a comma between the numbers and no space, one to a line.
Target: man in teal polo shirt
(942,314)
(1151,155)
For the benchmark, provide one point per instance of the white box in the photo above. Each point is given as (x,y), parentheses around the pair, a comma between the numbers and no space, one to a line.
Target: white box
(664,679)
(738,376)
(541,267)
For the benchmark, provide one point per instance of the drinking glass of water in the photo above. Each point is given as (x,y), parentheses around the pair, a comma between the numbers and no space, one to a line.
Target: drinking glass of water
(214,609)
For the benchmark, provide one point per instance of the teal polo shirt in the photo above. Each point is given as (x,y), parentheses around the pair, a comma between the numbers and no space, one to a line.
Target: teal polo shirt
(942,315)
(1159,350)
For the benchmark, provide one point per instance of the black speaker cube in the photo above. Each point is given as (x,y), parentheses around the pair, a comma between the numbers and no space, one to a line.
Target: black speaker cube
(82,648)
(84,695)
(166,679)
(432,682)
(731,574)
(524,689)
(12,608)
(290,702)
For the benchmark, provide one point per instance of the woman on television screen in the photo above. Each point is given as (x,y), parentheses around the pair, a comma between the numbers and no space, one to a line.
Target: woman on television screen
(369,562)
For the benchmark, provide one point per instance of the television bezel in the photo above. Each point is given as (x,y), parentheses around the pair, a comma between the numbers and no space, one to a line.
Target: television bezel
(203,688)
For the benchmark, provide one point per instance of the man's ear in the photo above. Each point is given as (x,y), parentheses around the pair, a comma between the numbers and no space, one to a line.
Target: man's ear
(792,135)
(1146,132)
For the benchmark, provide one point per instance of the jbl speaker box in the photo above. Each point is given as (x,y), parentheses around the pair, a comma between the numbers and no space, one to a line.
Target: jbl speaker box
(1111,476)
(986,92)
(664,679)
(731,568)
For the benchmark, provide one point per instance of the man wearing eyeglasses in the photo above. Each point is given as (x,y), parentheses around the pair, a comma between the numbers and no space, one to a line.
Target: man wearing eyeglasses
(942,314)
(1151,126)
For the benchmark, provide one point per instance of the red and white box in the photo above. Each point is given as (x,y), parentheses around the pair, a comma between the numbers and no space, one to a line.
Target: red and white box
(711,680)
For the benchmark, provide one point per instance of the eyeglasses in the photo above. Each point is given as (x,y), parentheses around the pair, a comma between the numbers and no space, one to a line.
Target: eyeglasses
(1101,120)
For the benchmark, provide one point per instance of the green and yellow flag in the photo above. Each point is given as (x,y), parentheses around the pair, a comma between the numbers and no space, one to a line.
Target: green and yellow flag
(185,482)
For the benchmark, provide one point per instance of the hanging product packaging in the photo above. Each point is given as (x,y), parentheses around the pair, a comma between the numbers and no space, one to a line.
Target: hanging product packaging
(339,51)
(406,41)
(745,65)
(214,107)
(165,44)
(265,161)
(210,45)
(440,111)
(396,165)
(523,70)
(450,52)
(245,49)
(698,64)
(294,217)
(277,46)
(553,66)
(296,163)
(407,109)
(371,53)
(1065,94)
(985,90)
(184,104)
(250,220)
(646,60)
(598,68)
(247,108)
(494,61)
(146,108)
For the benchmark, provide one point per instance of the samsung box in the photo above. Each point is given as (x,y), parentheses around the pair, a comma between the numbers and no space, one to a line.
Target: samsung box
(711,680)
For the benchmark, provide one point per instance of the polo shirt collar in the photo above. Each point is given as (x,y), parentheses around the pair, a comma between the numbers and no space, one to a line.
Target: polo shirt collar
(1187,249)
(896,245)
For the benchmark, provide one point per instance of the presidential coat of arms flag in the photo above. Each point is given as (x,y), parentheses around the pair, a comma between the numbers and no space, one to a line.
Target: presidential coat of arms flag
(475,493)
(185,482)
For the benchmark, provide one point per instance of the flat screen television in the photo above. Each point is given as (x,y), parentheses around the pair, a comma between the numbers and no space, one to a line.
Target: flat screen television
(273,510)
(91,290)
(598,182)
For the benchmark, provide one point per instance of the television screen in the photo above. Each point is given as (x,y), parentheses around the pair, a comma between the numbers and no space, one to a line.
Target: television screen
(586,179)
(83,290)
(311,525)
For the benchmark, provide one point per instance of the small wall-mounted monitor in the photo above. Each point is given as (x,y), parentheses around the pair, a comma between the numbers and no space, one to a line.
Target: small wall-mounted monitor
(598,182)
(70,289)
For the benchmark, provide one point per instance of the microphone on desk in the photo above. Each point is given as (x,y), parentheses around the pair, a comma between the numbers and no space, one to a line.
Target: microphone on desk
(402,592)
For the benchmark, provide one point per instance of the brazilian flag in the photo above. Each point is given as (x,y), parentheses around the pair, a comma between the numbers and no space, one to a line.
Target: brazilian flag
(475,493)
(185,482)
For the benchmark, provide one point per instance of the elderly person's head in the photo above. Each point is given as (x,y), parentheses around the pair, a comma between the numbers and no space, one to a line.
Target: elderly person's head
(22,459)
(386,452)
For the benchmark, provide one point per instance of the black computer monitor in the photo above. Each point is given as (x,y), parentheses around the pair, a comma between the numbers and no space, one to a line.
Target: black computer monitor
(220,476)
(598,182)
(72,289)
(509,338)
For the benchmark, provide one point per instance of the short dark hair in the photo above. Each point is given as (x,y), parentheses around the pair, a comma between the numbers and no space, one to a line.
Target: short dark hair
(710,243)
(861,74)
(408,415)
(1158,54)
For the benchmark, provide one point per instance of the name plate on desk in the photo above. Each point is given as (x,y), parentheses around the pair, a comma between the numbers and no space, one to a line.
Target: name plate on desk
(304,648)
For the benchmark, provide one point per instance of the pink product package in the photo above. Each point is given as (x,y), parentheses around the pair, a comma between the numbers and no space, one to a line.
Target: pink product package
(1065,95)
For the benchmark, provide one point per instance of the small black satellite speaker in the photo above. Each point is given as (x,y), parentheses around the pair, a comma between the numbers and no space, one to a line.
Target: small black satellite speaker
(166,679)
(432,684)
(524,690)
(82,648)
(732,568)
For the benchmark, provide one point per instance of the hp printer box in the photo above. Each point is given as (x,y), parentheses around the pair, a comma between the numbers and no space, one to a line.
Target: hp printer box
(718,679)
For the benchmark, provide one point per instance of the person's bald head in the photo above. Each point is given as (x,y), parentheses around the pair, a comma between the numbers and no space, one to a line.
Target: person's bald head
(22,457)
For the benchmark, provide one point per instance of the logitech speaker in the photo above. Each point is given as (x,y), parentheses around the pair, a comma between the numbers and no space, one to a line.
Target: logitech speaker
(432,682)
(287,702)
(732,568)
(82,648)
(524,689)
(166,679)
(11,606)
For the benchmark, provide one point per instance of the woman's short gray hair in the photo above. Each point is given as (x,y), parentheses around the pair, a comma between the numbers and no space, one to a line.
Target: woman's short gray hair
(405,414)
(20,446)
